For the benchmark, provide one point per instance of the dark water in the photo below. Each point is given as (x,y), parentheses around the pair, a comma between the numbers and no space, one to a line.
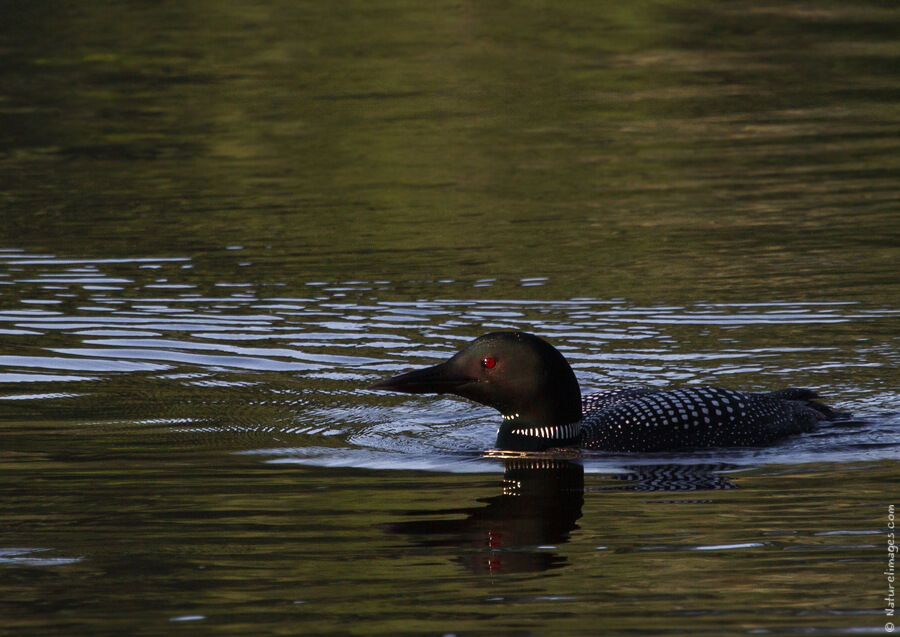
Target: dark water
(220,222)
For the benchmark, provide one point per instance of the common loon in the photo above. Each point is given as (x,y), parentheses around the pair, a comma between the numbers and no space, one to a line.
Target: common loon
(535,389)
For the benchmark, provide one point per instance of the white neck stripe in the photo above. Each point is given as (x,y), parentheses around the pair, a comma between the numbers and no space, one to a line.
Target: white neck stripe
(559,432)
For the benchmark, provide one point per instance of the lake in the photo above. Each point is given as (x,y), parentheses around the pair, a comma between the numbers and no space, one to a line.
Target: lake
(219,224)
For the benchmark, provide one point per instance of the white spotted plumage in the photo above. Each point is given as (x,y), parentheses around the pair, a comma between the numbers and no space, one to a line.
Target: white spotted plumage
(644,419)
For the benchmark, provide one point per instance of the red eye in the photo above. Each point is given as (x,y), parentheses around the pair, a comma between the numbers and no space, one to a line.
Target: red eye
(489,363)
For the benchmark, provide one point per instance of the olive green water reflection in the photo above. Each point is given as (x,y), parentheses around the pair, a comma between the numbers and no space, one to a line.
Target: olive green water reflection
(157,533)
(220,221)
(643,150)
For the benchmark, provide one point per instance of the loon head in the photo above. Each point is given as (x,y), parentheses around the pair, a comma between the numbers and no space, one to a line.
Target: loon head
(522,376)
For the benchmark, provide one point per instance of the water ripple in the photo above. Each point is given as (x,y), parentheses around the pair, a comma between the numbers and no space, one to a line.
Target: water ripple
(295,364)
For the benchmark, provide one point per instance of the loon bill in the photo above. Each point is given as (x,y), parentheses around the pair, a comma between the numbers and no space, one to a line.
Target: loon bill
(530,383)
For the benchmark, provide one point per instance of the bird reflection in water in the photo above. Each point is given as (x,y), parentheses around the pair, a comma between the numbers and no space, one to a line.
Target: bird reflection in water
(675,477)
(520,530)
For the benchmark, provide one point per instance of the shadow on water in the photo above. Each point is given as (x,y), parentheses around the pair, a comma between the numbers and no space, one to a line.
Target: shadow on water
(541,500)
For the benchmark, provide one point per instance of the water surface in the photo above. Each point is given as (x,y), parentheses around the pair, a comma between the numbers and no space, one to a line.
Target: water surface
(220,224)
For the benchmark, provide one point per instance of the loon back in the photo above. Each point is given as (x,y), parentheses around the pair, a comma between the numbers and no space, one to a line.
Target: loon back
(644,419)
(530,383)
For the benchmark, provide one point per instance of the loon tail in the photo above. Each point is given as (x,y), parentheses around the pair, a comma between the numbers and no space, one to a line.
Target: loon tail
(808,398)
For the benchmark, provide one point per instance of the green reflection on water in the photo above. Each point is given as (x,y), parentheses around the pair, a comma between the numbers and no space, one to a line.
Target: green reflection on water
(162,532)
(649,150)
